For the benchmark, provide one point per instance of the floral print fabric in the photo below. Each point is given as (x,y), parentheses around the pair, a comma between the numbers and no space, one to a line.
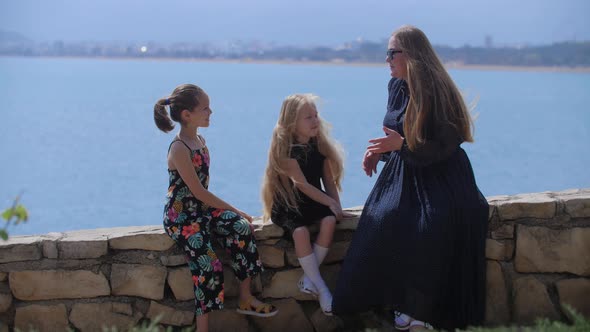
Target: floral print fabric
(191,224)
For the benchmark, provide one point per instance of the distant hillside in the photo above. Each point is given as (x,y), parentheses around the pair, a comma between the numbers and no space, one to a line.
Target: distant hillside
(12,37)
(564,54)
(570,54)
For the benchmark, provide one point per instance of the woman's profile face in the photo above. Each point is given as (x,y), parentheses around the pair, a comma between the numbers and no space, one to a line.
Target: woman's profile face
(396,60)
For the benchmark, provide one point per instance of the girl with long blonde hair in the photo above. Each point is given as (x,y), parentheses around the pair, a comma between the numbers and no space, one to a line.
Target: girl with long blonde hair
(301,158)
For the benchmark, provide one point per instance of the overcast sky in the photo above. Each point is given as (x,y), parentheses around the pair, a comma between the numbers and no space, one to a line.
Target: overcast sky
(297,22)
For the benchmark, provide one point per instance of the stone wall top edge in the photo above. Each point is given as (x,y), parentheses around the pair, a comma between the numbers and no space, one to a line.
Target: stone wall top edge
(544,195)
(116,232)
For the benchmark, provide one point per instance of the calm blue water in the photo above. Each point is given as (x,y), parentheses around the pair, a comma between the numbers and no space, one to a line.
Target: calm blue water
(77,136)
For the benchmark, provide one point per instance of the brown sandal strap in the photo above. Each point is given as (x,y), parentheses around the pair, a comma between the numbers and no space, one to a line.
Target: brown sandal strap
(264,307)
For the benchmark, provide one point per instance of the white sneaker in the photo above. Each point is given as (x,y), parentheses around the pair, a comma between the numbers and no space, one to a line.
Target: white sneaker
(325,298)
(306,286)
(402,321)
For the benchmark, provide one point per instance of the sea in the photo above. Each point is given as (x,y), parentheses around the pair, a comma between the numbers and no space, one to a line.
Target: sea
(79,147)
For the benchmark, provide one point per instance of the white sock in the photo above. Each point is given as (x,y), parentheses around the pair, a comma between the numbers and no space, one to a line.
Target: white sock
(309,264)
(320,253)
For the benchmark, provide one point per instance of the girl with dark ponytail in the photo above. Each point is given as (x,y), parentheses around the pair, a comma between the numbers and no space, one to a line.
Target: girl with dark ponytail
(192,213)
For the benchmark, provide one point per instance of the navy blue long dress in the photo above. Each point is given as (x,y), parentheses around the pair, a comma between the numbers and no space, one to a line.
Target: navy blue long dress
(419,247)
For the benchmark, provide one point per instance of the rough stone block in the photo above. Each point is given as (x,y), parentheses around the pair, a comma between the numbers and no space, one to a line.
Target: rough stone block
(577,206)
(351,223)
(142,238)
(284,284)
(181,283)
(529,291)
(493,202)
(272,257)
(170,316)
(50,249)
(539,205)
(576,293)
(41,318)
(337,252)
(324,323)
(289,318)
(503,232)
(499,250)
(268,230)
(57,284)
(227,320)
(93,317)
(82,244)
(20,248)
(174,260)
(540,249)
(497,312)
(3,276)
(138,280)
(5,302)
(292,257)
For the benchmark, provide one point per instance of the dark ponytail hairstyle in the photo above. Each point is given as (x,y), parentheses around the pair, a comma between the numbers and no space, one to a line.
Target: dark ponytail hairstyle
(184,97)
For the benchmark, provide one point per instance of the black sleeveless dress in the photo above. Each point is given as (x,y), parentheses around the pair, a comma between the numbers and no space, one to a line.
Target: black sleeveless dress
(419,247)
(311,162)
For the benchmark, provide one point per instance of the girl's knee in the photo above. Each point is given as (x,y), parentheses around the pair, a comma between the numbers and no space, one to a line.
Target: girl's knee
(300,232)
(329,221)
(242,227)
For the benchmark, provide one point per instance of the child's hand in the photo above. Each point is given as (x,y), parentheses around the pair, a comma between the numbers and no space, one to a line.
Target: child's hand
(244,215)
(336,209)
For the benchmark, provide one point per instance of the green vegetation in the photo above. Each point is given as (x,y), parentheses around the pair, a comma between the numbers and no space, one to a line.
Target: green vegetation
(152,327)
(578,323)
(15,214)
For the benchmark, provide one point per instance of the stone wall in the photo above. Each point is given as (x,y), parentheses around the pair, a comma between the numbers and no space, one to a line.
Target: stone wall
(538,254)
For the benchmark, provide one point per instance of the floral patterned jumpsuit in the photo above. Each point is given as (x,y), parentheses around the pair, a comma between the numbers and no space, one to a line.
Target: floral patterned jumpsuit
(190,223)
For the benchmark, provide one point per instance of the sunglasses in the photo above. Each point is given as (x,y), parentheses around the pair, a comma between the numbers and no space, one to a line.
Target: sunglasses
(391,53)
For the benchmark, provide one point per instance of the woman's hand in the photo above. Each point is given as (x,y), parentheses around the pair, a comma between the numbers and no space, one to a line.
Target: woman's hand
(391,142)
(370,161)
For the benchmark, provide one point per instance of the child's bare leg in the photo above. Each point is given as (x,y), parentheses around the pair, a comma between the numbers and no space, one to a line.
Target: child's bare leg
(245,289)
(202,323)
(310,267)
(327,227)
(245,293)
(302,242)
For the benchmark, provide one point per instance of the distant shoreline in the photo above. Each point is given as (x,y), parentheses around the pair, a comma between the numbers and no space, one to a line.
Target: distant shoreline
(450,65)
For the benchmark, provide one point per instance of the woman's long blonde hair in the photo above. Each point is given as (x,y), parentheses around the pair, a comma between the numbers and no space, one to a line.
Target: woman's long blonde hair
(276,185)
(434,97)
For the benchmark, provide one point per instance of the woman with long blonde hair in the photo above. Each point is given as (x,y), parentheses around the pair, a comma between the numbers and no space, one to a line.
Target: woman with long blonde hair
(420,243)
(301,158)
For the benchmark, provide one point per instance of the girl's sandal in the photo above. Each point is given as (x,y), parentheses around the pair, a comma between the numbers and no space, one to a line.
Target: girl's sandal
(263,310)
